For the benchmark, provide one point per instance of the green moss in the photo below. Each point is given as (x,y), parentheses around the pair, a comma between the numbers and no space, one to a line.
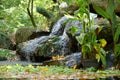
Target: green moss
(22,34)
(47,45)
(44,12)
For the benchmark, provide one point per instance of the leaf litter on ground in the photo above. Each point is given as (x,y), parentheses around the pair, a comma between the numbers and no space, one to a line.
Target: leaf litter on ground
(52,72)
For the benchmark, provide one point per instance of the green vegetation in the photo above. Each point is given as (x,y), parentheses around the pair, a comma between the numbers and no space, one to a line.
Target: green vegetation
(5,54)
(111,16)
(91,47)
(40,14)
(14,14)
(56,71)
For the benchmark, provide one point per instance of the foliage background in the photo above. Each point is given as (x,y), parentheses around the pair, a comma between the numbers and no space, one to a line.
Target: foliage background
(13,14)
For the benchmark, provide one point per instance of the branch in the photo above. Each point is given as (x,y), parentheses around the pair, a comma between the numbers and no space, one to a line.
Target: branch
(32,8)
(31,13)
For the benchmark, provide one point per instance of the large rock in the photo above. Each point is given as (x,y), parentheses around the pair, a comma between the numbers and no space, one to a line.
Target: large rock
(51,45)
(58,27)
(27,50)
(47,46)
(71,61)
(27,33)
(57,43)
(23,33)
(55,46)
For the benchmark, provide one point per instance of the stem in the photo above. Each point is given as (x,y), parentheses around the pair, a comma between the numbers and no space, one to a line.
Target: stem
(30,13)
(89,14)
(32,8)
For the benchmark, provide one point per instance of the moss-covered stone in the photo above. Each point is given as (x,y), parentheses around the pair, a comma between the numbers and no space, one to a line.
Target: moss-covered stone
(49,47)
(23,33)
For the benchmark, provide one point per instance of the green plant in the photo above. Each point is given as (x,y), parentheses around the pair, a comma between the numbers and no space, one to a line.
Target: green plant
(5,54)
(14,14)
(91,47)
(110,15)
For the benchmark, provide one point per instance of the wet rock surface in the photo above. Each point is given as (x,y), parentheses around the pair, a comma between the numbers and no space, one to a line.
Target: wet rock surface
(58,27)
(110,60)
(24,63)
(51,45)
(28,49)
(71,61)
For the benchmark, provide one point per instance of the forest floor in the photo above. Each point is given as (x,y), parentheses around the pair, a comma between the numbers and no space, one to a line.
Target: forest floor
(24,70)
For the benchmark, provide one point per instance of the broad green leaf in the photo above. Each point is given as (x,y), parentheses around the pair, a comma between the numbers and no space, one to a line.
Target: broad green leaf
(103,52)
(94,38)
(101,12)
(114,21)
(97,47)
(86,49)
(80,38)
(110,10)
(117,34)
(103,42)
(110,7)
(103,59)
(117,48)
(98,57)
(118,1)
(74,30)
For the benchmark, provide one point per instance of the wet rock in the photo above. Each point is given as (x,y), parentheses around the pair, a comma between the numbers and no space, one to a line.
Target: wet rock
(5,41)
(27,50)
(58,27)
(73,59)
(69,61)
(88,63)
(23,63)
(55,46)
(47,46)
(110,60)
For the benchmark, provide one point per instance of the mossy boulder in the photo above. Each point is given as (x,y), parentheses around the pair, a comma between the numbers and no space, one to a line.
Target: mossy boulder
(5,41)
(23,33)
